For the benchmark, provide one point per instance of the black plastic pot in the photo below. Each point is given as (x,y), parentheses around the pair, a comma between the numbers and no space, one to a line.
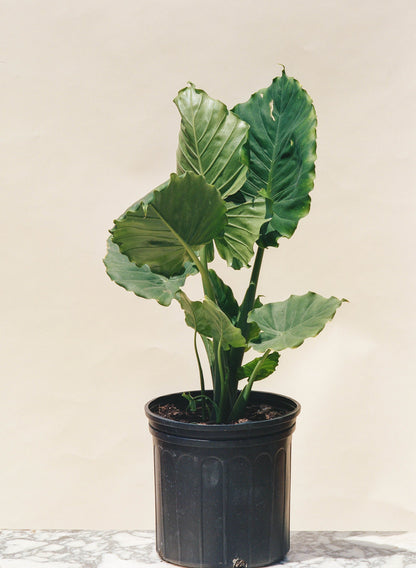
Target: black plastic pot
(222,491)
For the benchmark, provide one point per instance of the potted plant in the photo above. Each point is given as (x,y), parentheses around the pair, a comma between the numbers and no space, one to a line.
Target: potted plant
(222,455)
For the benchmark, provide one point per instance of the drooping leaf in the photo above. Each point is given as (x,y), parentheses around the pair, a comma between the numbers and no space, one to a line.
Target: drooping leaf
(289,323)
(177,219)
(224,295)
(268,367)
(282,147)
(211,141)
(141,280)
(208,320)
(241,232)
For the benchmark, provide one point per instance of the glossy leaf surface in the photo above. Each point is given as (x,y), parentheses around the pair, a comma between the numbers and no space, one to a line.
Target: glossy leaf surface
(141,280)
(241,232)
(208,320)
(211,141)
(178,218)
(282,147)
(289,323)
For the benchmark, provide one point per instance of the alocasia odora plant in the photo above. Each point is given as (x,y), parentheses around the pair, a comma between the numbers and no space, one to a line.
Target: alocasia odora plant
(243,181)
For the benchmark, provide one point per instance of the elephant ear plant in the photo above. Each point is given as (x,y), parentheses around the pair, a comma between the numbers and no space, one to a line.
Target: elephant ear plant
(242,183)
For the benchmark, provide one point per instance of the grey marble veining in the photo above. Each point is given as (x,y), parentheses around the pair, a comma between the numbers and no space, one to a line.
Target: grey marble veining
(135,549)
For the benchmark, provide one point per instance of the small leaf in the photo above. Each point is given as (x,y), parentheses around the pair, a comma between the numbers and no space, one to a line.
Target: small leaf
(289,323)
(282,149)
(211,141)
(267,368)
(142,281)
(224,295)
(176,219)
(241,232)
(208,320)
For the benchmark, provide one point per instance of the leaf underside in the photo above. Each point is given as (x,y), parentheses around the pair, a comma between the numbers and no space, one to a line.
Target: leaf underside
(141,280)
(289,323)
(209,320)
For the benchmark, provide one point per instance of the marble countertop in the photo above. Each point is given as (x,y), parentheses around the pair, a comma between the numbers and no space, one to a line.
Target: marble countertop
(135,549)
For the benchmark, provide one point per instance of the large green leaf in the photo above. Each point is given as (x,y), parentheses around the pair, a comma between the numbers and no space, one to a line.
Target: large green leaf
(241,232)
(211,141)
(267,368)
(282,146)
(176,219)
(289,323)
(141,280)
(208,320)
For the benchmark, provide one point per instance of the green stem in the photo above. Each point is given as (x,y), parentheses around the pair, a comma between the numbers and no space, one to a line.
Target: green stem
(206,281)
(241,402)
(201,378)
(237,353)
(250,295)
(222,402)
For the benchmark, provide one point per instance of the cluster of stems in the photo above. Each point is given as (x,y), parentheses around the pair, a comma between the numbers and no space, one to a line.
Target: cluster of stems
(228,402)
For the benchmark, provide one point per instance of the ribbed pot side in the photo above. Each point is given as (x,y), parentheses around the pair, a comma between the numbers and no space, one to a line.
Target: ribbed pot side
(223,491)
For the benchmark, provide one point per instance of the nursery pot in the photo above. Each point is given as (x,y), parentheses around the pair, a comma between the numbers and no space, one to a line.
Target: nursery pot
(222,490)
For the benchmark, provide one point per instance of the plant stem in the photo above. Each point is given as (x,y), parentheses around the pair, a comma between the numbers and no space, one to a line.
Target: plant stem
(201,378)
(237,353)
(206,281)
(241,402)
(223,386)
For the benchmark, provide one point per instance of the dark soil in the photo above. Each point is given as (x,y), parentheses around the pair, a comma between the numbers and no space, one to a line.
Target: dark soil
(253,413)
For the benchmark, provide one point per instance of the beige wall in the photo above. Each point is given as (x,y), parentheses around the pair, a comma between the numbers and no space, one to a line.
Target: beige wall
(87,128)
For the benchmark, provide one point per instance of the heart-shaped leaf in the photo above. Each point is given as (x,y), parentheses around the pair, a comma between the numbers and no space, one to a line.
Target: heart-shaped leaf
(177,219)
(282,148)
(141,280)
(208,320)
(211,141)
(289,323)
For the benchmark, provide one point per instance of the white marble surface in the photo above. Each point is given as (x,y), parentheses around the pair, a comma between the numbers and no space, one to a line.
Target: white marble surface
(135,549)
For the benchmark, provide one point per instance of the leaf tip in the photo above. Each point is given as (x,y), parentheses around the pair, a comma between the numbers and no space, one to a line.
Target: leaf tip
(283,68)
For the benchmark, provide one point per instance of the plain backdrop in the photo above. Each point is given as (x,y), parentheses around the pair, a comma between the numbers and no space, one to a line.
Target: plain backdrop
(87,127)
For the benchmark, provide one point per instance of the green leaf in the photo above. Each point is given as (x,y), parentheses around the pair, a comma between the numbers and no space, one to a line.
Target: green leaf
(241,232)
(224,295)
(209,252)
(289,323)
(177,219)
(267,368)
(211,141)
(209,321)
(142,281)
(282,148)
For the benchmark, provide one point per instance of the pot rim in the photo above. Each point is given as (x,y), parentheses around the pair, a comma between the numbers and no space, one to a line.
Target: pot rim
(282,423)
